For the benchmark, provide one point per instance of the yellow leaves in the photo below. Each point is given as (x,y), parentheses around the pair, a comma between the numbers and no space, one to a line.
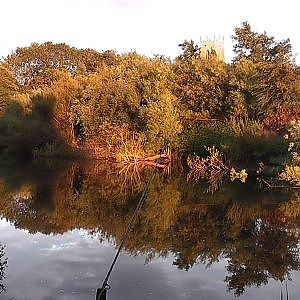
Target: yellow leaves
(291,174)
(233,174)
(242,175)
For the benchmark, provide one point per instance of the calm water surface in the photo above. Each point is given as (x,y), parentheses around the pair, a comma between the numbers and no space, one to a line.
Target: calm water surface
(60,226)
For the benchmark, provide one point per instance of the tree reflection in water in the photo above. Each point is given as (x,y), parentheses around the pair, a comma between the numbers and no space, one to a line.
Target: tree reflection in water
(3,266)
(257,232)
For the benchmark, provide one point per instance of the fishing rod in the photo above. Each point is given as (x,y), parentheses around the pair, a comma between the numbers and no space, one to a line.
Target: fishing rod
(101,292)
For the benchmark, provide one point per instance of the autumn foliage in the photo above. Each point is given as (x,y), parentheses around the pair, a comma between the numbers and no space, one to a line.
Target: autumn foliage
(89,96)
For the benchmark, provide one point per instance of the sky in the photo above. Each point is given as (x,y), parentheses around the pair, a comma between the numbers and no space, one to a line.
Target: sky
(146,26)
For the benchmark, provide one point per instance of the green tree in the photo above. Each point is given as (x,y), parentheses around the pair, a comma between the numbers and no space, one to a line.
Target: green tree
(33,66)
(243,78)
(25,129)
(163,120)
(201,85)
(91,59)
(189,50)
(275,80)
(259,47)
(66,91)
(8,87)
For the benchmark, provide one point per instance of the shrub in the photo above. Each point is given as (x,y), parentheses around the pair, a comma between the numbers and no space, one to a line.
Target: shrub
(163,120)
(237,142)
(22,131)
(195,137)
(131,149)
(280,120)
(52,150)
(254,149)
(244,126)
(294,138)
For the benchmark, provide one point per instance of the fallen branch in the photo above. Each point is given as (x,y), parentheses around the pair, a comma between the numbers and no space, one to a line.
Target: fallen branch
(158,156)
(271,186)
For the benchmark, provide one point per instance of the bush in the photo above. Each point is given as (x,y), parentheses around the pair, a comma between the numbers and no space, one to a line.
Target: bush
(294,140)
(240,144)
(52,150)
(22,131)
(246,126)
(254,149)
(162,120)
(195,137)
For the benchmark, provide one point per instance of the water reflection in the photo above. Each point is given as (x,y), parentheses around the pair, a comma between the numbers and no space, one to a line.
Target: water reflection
(256,232)
(3,265)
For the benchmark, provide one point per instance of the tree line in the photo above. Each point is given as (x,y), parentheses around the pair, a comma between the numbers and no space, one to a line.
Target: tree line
(52,94)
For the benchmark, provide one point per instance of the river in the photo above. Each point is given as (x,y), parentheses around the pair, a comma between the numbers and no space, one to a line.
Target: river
(62,222)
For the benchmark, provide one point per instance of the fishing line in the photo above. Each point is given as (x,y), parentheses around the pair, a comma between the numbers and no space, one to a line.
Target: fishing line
(101,292)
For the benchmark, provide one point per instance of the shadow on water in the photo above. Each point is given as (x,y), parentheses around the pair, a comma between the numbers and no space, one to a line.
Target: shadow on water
(256,231)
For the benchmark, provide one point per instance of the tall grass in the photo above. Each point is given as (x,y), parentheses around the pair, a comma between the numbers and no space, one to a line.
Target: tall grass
(244,126)
(131,149)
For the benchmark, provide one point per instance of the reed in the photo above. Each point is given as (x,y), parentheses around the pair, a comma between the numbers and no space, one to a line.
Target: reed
(245,126)
(211,168)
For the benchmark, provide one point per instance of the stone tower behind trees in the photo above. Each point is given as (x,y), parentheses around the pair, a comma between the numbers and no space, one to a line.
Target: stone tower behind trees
(210,48)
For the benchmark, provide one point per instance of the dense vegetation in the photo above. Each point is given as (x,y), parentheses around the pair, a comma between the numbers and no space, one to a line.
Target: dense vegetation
(54,97)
